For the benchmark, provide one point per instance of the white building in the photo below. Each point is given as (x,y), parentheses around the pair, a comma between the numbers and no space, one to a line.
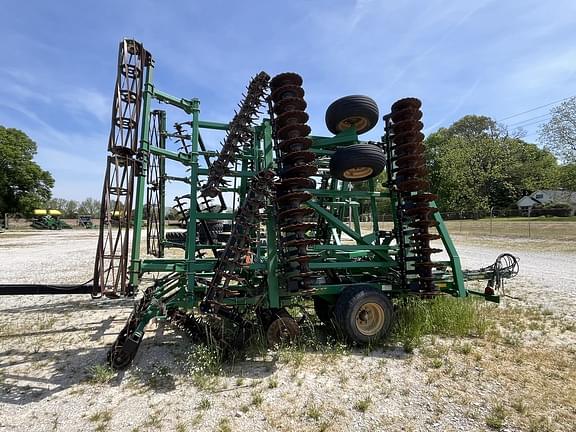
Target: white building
(543,197)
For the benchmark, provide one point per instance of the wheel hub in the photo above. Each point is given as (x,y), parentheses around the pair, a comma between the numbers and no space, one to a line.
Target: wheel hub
(359,123)
(370,319)
(358,173)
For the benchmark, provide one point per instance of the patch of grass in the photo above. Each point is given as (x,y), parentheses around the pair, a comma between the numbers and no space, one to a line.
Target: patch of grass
(224,425)
(519,406)
(100,374)
(436,363)
(181,427)
(313,411)
(257,399)
(465,348)
(102,418)
(272,383)
(154,420)
(495,419)
(442,316)
(204,404)
(540,424)
(362,405)
(204,360)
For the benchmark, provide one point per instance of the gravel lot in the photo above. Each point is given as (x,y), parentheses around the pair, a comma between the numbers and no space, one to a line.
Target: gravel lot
(49,343)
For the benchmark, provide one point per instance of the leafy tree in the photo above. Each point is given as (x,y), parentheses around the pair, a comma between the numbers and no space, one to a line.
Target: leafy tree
(476,164)
(23,184)
(89,206)
(559,134)
(567,176)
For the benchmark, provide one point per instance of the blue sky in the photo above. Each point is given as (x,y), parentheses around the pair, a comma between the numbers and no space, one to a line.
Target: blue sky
(495,58)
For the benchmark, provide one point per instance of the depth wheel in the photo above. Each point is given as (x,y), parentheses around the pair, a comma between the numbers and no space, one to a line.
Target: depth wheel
(357,111)
(357,162)
(282,330)
(118,358)
(364,314)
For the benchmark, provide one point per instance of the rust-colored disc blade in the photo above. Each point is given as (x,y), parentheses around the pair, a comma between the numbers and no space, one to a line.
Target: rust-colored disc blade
(295,144)
(295,184)
(294,131)
(299,259)
(406,103)
(424,237)
(299,171)
(415,147)
(295,213)
(286,78)
(294,197)
(407,126)
(406,137)
(428,251)
(413,185)
(410,160)
(300,242)
(421,210)
(429,264)
(287,91)
(290,104)
(291,117)
(298,157)
(303,227)
(406,114)
(421,197)
(423,224)
(408,171)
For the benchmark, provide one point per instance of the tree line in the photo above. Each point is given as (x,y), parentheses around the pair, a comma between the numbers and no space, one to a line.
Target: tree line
(476,164)
(72,208)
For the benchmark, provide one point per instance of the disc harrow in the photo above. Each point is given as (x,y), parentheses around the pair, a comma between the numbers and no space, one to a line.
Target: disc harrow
(295,172)
(411,180)
(294,221)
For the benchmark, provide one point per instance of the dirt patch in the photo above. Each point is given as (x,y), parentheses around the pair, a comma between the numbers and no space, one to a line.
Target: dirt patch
(509,378)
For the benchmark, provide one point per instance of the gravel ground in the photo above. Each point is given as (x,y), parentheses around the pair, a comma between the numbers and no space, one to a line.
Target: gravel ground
(507,381)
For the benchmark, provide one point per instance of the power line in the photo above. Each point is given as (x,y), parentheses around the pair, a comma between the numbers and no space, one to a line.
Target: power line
(530,119)
(537,108)
(533,123)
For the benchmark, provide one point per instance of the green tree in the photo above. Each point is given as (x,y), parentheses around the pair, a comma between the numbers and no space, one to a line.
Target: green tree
(23,184)
(89,206)
(475,164)
(567,177)
(559,134)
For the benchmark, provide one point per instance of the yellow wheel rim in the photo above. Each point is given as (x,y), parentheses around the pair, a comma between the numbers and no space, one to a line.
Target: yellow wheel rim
(370,319)
(358,173)
(360,123)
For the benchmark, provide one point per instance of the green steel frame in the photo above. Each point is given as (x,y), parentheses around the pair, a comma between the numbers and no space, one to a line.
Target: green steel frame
(365,258)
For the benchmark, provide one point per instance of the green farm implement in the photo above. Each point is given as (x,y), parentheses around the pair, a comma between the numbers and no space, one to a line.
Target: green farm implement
(270,219)
(48,220)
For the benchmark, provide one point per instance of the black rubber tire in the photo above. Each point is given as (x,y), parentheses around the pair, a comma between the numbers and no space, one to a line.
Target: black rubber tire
(177,238)
(355,110)
(324,310)
(368,160)
(352,302)
(214,226)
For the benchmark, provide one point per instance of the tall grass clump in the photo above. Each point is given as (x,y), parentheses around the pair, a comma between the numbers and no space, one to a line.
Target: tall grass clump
(441,316)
